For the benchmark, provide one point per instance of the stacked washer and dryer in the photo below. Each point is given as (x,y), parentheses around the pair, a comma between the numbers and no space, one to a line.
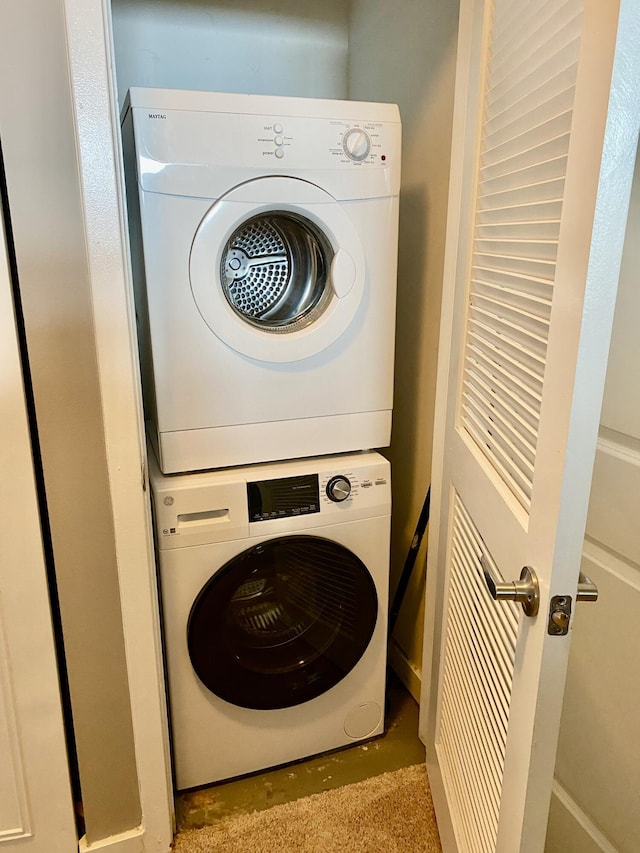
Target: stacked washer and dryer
(264,246)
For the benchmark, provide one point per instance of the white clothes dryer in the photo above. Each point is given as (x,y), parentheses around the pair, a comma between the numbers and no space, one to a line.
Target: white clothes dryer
(264,252)
(274,586)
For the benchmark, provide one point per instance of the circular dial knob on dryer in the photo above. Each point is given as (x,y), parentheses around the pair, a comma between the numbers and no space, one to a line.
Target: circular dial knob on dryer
(356,144)
(338,489)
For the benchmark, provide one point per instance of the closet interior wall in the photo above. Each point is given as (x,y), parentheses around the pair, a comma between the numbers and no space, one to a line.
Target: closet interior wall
(400,52)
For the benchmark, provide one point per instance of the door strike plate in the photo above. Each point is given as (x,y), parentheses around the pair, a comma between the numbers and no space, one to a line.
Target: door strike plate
(559,615)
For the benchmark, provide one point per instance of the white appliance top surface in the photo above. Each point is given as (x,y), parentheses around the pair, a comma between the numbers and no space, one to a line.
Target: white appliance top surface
(265,471)
(183,99)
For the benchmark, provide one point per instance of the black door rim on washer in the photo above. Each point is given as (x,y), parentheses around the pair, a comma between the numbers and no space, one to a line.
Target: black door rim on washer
(282,623)
(275,271)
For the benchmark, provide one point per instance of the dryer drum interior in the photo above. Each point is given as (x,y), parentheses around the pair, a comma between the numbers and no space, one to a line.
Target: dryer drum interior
(275,271)
(282,623)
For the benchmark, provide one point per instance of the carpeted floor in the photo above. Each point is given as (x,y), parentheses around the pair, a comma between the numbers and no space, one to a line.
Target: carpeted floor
(392,813)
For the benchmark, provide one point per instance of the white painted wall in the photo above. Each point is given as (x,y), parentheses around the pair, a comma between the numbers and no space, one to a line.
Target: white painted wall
(597,802)
(272,47)
(404,51)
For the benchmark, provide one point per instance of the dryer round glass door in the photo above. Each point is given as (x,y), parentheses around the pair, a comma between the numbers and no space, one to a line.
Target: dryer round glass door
(274,271)
(277,269)
(282,623)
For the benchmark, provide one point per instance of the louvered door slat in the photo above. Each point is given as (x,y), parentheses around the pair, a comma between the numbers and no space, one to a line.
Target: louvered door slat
(489,396)
(521,287)
(526,366)
(531,125)
(543,131)
(489,754)
(505,419)
(524,176)
(522,312)
(524,146)
(523,212)
(501,292)
(502,632)
(472,818)
(478,671)
(508,158)
(489,442)
(538,230)
(492,705)
(505,624)
(541,191)
(532,30)
(517,75)
(531,343)
(498,642)
(482,801)
(520,398)
(511,16)
(551,99)
(512,369)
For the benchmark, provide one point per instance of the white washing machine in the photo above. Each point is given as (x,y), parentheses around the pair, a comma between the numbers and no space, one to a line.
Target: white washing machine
(274,583)
(264,251)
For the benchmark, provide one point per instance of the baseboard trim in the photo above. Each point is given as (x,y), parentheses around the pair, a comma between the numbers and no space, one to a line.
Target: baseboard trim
(407,671)
(126,842)
(570,829)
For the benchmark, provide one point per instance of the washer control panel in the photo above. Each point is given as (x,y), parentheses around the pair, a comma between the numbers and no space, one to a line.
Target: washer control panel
(272,498)
(307,494)
(353,488)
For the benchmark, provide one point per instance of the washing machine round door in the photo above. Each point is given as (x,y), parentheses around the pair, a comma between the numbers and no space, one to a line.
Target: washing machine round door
(277,269)
(282,623)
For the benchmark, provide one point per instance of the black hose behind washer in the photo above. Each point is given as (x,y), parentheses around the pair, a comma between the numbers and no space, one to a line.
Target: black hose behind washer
(410,561)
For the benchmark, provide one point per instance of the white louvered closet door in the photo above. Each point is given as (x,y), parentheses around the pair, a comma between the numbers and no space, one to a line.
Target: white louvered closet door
(544,143)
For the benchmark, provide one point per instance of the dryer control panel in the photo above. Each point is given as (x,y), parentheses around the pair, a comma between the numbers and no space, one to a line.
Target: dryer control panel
(201,144)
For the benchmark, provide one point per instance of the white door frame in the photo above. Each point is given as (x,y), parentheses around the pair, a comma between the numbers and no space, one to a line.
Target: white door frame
(89,39)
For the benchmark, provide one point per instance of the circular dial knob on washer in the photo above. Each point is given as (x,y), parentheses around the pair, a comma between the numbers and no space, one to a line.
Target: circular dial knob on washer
(356,144)
(338,489)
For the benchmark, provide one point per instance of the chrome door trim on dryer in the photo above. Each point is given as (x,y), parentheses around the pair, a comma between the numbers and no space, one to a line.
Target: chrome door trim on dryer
(346,272)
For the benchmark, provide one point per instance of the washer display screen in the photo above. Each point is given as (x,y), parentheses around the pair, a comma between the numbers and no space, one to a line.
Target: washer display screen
(283,498)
